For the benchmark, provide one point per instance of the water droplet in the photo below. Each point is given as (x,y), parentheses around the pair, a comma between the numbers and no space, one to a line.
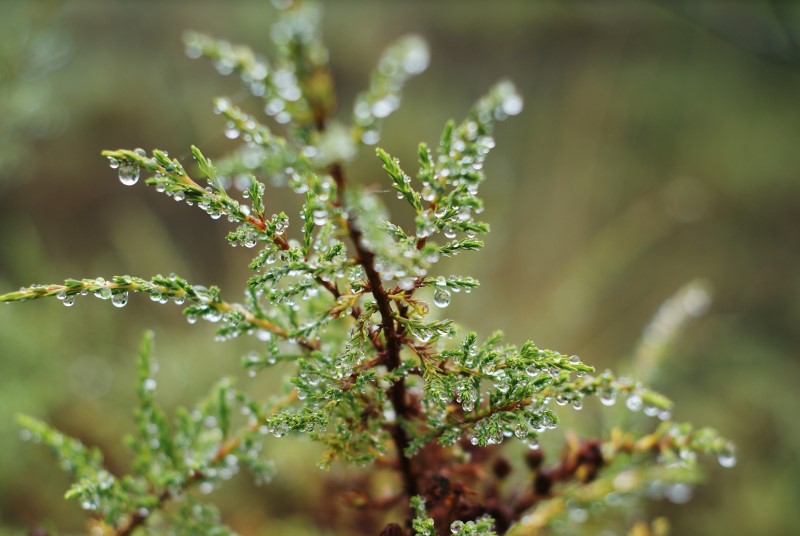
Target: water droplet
(456,526)
(574,359)
(520,430)
(383,107)
(370,137)
(417,56)
(634,402)
(577,404)
(103,293)
(141,152)
(441,298)
(231,132)
(61,294)
(149,385)
(512,104)
(129,173)
(578,515)
(120,300)
(191,319)
(727,456)
(320,216)
(113,162)
(651,411)
(222,104)
(213,315)
(547,421)
(179,195)
(608,397)
(679,493)
(502,385)
(69,301)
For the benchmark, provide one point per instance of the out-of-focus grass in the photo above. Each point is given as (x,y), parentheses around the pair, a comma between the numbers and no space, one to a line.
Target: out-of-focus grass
(650,152)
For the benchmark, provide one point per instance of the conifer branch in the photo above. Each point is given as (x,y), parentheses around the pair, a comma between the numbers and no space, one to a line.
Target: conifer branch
(340,316)
(391,351)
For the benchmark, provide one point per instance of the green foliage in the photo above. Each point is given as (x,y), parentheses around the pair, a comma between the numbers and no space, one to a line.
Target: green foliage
(377,377)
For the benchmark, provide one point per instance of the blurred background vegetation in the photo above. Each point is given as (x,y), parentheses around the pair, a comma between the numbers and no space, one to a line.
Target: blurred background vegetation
(660,143)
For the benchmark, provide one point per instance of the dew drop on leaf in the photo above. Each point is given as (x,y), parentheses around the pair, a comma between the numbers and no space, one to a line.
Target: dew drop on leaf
(213,315)
(727,456)
(634,402)
(103,293)
(120,300)
(520,430)
(679,493)
(608,397)
(231,132)
(128,173)
(441,298)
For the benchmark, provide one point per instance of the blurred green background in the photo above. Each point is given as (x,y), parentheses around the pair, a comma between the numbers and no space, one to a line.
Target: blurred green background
(657,145)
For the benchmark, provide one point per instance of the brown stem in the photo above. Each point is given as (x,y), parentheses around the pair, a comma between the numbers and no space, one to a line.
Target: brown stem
(391,351)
